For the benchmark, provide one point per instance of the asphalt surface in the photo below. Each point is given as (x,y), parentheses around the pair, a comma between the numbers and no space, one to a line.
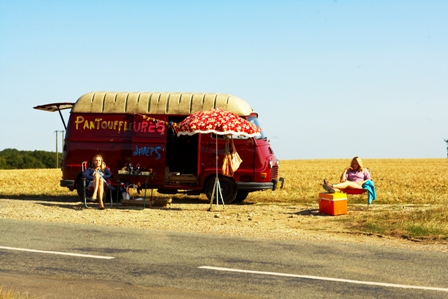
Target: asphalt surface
(131,263)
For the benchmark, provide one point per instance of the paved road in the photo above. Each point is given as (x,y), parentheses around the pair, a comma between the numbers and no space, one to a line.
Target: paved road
(130,263)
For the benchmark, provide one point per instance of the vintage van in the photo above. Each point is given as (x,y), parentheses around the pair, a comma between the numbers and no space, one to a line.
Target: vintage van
(137,128)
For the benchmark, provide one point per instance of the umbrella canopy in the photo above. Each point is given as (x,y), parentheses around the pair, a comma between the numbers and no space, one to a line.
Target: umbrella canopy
(217,121)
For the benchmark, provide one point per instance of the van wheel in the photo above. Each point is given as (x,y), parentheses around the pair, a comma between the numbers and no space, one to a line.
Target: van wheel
(80,187)
(241,196)
(228,189)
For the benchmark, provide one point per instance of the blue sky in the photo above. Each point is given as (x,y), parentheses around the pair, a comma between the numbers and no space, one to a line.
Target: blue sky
(329,79)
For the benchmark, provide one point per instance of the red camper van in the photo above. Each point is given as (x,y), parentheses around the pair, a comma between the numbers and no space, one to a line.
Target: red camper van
(131,127)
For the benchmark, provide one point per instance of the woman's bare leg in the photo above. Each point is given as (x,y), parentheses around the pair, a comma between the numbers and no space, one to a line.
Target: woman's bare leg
(347,184)
(96,181)
(101,192)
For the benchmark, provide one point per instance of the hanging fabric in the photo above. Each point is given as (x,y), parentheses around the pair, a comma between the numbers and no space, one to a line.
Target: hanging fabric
(226,165)
(236,159)
(232,159)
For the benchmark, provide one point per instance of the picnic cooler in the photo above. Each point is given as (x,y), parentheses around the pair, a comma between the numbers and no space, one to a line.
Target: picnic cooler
(333,203)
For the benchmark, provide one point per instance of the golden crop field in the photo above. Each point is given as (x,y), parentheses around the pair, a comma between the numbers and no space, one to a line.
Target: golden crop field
(11,294)
(412,194)
(397,181)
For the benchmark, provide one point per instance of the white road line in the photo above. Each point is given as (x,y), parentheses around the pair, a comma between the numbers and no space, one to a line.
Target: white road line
(60,253)
(328,279)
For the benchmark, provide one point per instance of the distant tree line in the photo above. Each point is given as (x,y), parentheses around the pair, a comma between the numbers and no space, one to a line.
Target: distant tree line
(11,158)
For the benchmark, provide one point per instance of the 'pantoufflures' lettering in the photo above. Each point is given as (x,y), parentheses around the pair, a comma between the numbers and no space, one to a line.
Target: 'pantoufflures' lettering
(118,125)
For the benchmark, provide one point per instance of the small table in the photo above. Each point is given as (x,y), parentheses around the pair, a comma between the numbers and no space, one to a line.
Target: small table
(145,174)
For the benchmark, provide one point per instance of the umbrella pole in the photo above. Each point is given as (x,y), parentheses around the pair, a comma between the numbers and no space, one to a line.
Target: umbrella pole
(216,161)
(216,193)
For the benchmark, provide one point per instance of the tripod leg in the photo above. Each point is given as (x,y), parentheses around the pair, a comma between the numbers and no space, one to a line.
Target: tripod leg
(213,195)
(216,194)
(220,193)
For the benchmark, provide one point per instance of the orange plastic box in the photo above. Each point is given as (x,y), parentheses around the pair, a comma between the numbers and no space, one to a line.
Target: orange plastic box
(333,203)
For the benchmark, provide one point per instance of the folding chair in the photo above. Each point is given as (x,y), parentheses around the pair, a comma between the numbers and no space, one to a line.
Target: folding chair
(353,191)
(89,189)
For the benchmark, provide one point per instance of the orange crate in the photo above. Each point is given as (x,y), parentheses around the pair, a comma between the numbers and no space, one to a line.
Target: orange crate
(333,203)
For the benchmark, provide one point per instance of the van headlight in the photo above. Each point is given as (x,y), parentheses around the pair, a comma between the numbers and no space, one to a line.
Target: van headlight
(278,163)
(270,163)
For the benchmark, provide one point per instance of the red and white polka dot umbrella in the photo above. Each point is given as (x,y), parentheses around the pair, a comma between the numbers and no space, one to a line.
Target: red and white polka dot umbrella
(217,121)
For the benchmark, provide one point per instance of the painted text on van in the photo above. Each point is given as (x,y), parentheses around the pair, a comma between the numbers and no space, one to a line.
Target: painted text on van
(148,151)
(118,125)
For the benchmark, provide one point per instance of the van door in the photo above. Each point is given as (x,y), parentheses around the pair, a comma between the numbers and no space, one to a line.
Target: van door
(247,151)
(182,157)
(243,145)
(148,149)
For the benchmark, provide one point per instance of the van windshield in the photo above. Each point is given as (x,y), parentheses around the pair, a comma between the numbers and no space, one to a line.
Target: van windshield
(255,121)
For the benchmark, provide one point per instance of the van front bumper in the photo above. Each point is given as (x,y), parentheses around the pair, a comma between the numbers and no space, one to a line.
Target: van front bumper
(252,186)
(70,184)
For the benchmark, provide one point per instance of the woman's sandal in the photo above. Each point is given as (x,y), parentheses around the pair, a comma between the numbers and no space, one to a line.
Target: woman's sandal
(328,187)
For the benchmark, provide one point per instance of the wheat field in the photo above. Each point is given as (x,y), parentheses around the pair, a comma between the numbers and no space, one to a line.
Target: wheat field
(12,294)
(412,194)
(397,181)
